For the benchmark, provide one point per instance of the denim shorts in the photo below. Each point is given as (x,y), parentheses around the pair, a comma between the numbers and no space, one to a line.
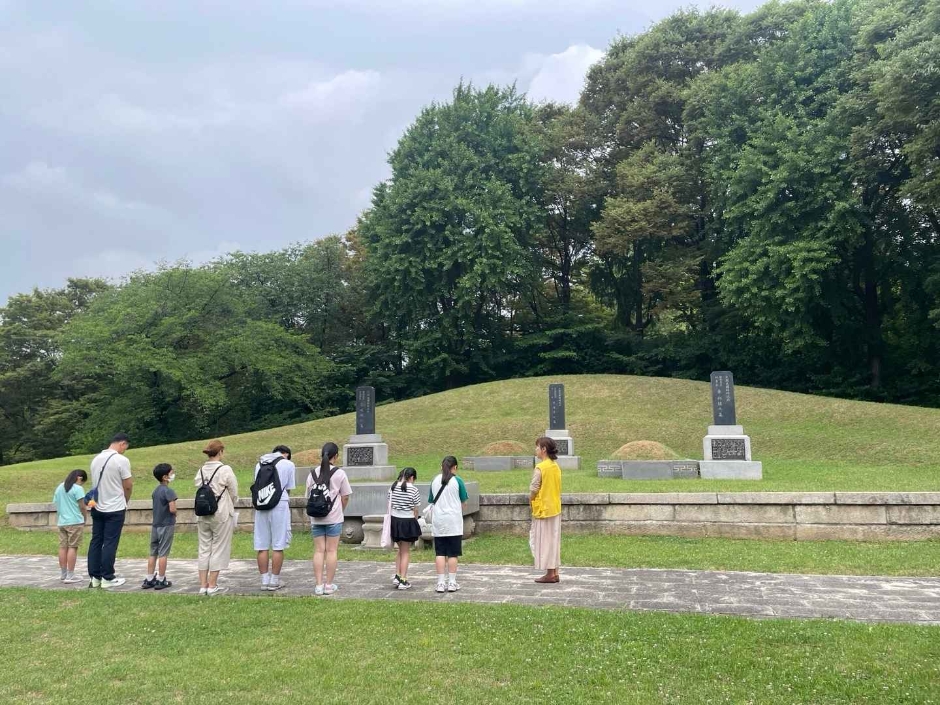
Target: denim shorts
(330,530)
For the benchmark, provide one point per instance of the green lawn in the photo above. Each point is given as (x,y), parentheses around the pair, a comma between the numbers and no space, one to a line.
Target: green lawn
(822,557)
(805,442)
(94,647)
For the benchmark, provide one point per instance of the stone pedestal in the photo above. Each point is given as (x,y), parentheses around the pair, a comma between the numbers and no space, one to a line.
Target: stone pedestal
(372,531)
(567,460)
(727,447)
(727,453)
(365,457)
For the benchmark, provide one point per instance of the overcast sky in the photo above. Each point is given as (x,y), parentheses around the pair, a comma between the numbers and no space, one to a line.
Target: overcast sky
(133,131)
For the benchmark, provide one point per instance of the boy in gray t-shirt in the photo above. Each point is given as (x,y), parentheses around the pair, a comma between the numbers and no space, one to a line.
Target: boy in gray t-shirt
(164,526)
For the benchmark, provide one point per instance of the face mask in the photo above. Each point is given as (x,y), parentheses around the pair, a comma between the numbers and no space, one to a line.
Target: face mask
(171,477)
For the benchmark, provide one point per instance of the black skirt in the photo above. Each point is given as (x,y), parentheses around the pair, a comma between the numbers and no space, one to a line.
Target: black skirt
(405,530)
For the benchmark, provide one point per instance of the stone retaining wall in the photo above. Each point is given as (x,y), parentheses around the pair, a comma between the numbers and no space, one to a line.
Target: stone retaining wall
(367,499)
(798,516)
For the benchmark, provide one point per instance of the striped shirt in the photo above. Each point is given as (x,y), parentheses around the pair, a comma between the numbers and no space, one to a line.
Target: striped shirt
(404,503)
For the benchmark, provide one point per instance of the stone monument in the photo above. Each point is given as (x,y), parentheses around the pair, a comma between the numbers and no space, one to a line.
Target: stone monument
(727,449)
(365,455)
(557,430)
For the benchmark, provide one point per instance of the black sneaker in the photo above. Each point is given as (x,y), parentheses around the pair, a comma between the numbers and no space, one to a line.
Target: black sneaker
(147,584)
(404,585)
(161,584)
(396,581)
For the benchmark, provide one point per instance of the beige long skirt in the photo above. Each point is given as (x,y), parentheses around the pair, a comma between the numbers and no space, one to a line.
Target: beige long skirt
(215,542)
(545,542)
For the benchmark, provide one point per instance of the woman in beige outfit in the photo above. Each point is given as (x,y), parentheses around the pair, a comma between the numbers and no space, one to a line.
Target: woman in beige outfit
(215,531)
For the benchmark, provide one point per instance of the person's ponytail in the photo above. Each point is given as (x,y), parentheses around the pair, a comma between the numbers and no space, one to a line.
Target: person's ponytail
(400,478)
(447,469)
(72,478)
(329,452)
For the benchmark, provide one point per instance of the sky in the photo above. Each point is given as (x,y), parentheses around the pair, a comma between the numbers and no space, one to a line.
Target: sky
(158,130)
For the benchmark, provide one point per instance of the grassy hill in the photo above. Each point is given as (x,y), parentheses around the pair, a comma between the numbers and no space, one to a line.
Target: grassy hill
(805,442)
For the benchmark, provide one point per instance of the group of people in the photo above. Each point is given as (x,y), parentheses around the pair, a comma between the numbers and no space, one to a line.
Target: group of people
(328,492)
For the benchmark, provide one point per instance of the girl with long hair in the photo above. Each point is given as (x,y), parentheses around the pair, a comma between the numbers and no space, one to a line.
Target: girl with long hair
(332,482)
(449,497)
(404,499)
(69,499)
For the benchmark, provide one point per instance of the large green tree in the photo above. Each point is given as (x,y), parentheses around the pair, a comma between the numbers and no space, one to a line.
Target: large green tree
(449,235)
(35,415)
(175,354)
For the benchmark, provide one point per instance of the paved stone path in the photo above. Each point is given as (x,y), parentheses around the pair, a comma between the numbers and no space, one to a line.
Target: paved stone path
(875,599)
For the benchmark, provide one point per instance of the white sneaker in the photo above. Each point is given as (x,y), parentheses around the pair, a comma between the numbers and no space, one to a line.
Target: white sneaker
(274,586)
(330,589)
(318,590)
(441,587)
(203,591)
(94,583)
(396,581)
(452,586)
(117,582)
(71,578)
(217,590)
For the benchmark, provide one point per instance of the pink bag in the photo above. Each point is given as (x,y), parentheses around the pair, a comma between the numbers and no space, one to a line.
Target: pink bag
(386,541)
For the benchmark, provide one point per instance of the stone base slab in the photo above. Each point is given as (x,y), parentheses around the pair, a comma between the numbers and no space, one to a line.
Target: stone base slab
(731,469)
(361,438)
(371,473)
(569,462)
(726,430)
(497,463)
(649,469)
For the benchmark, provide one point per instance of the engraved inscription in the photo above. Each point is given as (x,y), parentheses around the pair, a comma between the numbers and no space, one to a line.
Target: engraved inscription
(365,410)
(522,462)
(562,446)
(723,410)
(363,456)
(729,449)
(556,406)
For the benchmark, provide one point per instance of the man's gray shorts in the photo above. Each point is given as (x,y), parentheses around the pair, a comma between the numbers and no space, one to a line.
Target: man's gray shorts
(161,540)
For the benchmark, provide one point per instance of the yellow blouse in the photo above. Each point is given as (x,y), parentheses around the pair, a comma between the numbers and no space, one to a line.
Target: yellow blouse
(547,502)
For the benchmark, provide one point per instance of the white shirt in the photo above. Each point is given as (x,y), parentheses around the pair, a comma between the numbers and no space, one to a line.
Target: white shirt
(117,468)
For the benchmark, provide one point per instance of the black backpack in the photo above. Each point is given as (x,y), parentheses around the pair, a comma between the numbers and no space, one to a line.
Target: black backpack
(206,503)
(318,503)
(267,490)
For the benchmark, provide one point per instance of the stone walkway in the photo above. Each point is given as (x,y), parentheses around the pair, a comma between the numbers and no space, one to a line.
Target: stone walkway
(870,599)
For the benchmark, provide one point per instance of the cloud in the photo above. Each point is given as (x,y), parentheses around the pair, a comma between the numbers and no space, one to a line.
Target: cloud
(560,77)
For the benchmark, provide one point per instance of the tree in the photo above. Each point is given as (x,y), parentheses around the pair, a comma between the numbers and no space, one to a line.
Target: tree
(175,354)
(35,419)
(449,236)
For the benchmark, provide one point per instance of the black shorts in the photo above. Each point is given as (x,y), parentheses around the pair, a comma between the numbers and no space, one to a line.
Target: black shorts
(448,546)
(405,530)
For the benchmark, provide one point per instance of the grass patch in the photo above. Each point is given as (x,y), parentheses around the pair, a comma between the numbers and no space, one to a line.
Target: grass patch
(806,443)
(208,651)
(821,557)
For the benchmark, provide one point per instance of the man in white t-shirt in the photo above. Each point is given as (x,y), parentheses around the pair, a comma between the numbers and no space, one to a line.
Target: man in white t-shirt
(272,526)
(111,477)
